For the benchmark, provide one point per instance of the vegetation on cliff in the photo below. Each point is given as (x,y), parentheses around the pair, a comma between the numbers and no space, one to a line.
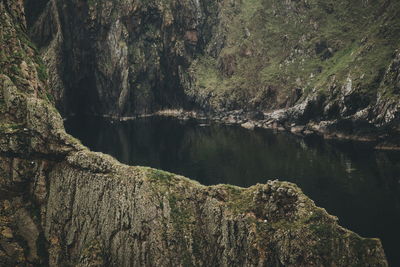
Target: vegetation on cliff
(327,67)
(275,53)
(62,205)
(326,59)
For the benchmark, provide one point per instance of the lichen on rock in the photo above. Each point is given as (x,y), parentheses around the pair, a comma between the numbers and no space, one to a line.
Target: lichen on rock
(315,62)
(63,205)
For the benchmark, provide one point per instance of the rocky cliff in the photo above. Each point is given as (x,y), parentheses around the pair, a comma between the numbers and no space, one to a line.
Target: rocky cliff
(62,205)
(120,57)
(334,64)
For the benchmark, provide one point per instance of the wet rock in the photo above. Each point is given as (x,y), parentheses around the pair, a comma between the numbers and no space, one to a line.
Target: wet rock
(98,212)
(105,61)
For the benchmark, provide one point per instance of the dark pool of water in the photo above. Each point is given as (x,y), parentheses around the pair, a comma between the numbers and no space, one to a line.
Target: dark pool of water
(351,180)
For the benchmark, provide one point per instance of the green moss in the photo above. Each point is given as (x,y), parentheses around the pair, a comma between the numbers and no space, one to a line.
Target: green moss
(208,76)
(239,200)
(15,70)
(160,175)
(50,97)
(180,214)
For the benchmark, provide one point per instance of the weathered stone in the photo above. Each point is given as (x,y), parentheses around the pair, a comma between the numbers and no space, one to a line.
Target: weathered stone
(248,125)
(144,56)
(71,206)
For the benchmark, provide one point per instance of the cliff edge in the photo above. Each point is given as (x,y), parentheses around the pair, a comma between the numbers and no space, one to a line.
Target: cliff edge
(63,205)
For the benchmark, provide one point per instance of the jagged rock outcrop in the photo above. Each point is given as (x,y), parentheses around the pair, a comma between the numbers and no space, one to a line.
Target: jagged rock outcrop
(62,205)
(303,61)
(120,57)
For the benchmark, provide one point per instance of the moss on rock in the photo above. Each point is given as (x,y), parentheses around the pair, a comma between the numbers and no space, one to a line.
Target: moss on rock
(68,205)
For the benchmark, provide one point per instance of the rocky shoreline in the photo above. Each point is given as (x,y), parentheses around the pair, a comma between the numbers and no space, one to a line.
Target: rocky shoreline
(343,85)
(273,120)
(67,206)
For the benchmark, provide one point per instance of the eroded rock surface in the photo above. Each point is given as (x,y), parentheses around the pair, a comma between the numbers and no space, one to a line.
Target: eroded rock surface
(120,57)
(300,62)
(62,205)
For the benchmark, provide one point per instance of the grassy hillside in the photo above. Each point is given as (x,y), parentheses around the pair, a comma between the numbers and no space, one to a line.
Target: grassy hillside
(274,52)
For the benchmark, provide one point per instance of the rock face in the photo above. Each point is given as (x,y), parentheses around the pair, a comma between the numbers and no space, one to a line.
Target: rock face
(62,205)
(121,57)
(310,61)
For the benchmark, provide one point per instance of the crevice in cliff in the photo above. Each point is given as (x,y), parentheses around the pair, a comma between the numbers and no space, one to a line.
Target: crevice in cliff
(127,59)
(33,10)
(93,75)
(91,195)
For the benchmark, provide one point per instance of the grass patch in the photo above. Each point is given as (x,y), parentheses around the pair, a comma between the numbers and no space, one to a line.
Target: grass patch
(275,44)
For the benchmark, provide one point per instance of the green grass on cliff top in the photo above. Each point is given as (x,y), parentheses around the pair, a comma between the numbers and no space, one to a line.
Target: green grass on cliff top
(302,44)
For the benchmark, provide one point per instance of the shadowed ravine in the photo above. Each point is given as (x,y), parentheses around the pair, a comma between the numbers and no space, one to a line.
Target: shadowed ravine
(329,67)
(351,180)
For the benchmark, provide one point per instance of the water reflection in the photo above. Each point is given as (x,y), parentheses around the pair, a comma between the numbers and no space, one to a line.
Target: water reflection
(351,180)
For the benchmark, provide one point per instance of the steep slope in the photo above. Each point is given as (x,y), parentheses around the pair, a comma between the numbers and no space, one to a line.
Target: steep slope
(120,57)
(62,205)
(331,64)
(277,52)
(311,61)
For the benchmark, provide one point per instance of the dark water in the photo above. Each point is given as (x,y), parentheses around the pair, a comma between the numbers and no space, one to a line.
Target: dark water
(352,181)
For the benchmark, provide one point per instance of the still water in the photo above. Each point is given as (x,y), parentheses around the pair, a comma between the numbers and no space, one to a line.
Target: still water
(350,180)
